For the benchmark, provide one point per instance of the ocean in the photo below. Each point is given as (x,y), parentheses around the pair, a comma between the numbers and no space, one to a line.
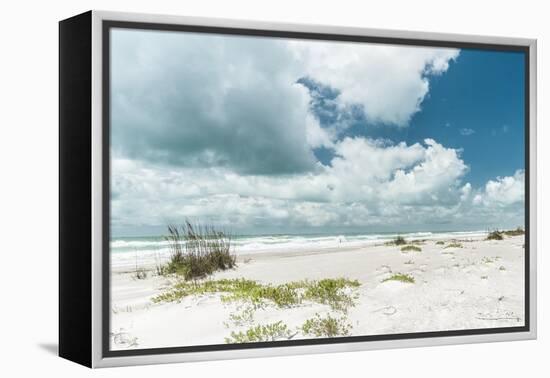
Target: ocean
(132,251)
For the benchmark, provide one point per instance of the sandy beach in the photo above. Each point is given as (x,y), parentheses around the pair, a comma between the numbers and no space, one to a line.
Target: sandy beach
(459,284)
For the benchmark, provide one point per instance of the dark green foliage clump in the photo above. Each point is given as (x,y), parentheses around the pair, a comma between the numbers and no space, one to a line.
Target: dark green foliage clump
(440,242)
(495,235)
(398,240)
(518,231)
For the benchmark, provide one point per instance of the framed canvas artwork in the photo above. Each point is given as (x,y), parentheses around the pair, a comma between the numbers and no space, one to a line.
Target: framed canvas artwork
(237,189)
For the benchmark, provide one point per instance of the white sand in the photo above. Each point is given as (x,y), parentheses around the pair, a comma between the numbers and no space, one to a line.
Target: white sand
(478,286)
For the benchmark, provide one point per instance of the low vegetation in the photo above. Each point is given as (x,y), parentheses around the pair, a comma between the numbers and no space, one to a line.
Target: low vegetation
(326,327)
(398,240)
(270,332)
(440,242)
(518,231)
(337,293)
(454,245)
(495,235)
(400,277)
(418,241)
(197,251)
(412,248)
(245,315)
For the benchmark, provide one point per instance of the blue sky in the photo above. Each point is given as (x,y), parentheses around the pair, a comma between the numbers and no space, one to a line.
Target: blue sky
(477,106)
(278,136)
(484,92)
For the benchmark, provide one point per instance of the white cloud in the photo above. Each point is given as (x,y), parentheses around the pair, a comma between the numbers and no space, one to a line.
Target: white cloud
(503,191)
(222,132)
(317,136)
(369,183)
(190,99)
(389,81)
(207,100)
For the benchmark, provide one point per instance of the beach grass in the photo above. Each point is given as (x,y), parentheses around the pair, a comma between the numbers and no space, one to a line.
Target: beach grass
(197,251)
(412,248)
(400,277)
(260,333)
(440,242)
(326,326)
(337,293)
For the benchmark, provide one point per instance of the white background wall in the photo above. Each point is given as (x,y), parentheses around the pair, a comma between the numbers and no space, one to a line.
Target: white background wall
(28,186)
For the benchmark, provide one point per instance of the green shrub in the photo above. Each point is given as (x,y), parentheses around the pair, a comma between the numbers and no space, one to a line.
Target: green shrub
(495,235)
(400,277)
(259,333)
(413,248)
(518,231)
(326,327)
(332,292)
(440,242)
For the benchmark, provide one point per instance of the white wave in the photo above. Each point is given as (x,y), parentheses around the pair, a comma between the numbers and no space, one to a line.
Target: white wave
(152,251)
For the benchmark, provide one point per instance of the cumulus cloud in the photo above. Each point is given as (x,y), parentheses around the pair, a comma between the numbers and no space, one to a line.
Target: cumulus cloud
(503,191)
(195,100)
(224,129)
(368,183)
(390,82)
(237,102)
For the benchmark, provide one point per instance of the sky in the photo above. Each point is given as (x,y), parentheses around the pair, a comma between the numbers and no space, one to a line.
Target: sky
(270,135)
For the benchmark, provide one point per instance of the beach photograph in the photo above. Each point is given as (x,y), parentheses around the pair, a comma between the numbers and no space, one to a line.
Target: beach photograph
(270,189)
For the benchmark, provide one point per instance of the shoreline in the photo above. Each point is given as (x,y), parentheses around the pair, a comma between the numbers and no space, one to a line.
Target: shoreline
(126,261)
